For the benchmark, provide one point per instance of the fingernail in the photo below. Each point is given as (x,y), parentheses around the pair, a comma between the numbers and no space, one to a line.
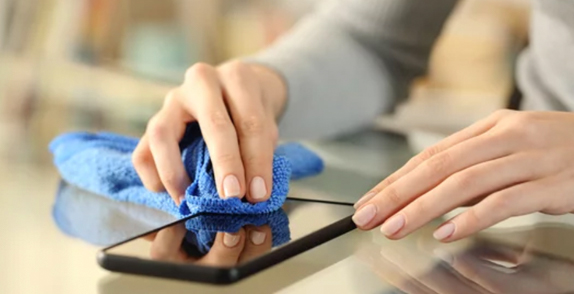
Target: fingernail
(258,190)
(230,240)
(443,255)
(393,225)
(231,186)
(364,215)
(181,198)
(364,199)
(444,231)
(257,237)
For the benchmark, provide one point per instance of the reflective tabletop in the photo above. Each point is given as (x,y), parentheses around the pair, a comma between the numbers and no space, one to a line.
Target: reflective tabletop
(44,252)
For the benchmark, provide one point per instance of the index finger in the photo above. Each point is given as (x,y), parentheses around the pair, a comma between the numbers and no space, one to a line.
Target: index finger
(430,176)
(202,97)
(472,131)
(164,131)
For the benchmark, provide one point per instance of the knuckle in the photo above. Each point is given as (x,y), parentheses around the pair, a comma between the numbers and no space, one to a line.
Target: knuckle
(199,70)
(139,159)
(225,159)
(219,120)
(522,124)
(171,97)
(388,181)
(235,70)
(156,130)
(523,120)
(462,180)
(251,160)
(250,126)
(438,164)
(471,219)
(258,163)
(393,196)
(502,201)
(170,179)
(421,207)
(429,153)
(415,161)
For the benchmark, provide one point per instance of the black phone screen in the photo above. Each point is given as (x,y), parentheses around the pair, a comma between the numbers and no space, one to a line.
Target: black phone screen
(230,240)
(211,248)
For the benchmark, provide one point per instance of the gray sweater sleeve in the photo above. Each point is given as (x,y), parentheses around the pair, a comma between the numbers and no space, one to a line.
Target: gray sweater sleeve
(350,60)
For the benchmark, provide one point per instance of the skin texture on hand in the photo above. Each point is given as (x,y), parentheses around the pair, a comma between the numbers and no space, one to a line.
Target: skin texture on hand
(509,164)
(236,106)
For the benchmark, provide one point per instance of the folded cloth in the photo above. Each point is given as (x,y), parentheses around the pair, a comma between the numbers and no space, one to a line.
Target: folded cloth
(101,163)
(202,228)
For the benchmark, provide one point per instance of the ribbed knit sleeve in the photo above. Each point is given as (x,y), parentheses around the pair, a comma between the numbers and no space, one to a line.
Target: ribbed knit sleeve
(350,60)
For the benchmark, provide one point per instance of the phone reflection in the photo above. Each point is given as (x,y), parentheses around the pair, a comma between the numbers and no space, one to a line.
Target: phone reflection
(220,240)
(101,221)
(209,239)
(486,264)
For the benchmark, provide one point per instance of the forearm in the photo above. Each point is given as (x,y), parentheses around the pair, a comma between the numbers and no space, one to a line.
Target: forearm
(323,85)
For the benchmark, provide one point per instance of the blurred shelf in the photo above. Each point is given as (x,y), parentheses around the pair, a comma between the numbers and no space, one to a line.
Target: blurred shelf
(61,80)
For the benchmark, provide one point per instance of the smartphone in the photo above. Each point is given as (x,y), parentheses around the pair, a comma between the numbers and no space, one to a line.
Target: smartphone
(223,249)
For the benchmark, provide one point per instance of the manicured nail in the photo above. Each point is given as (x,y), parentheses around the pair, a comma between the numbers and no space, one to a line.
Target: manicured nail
(231,186)
(444,231)
(364,215)
(364,199)
(257,237)
(230,240)
(393,225)
(443,255)
(181,198)
(258,190)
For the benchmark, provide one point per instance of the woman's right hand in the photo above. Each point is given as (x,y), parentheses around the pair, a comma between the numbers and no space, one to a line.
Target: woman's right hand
(236,106)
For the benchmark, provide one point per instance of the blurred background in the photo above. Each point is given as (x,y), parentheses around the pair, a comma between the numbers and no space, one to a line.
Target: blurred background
(107,64)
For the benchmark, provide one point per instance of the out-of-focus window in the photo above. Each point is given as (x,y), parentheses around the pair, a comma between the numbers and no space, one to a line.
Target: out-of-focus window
(107,64)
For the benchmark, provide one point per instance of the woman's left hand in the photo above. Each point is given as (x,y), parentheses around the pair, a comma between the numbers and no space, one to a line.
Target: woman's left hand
(508,164)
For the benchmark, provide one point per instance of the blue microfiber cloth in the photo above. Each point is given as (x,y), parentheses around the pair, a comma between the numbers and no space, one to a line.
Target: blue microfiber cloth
(202,228)
(101,163)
